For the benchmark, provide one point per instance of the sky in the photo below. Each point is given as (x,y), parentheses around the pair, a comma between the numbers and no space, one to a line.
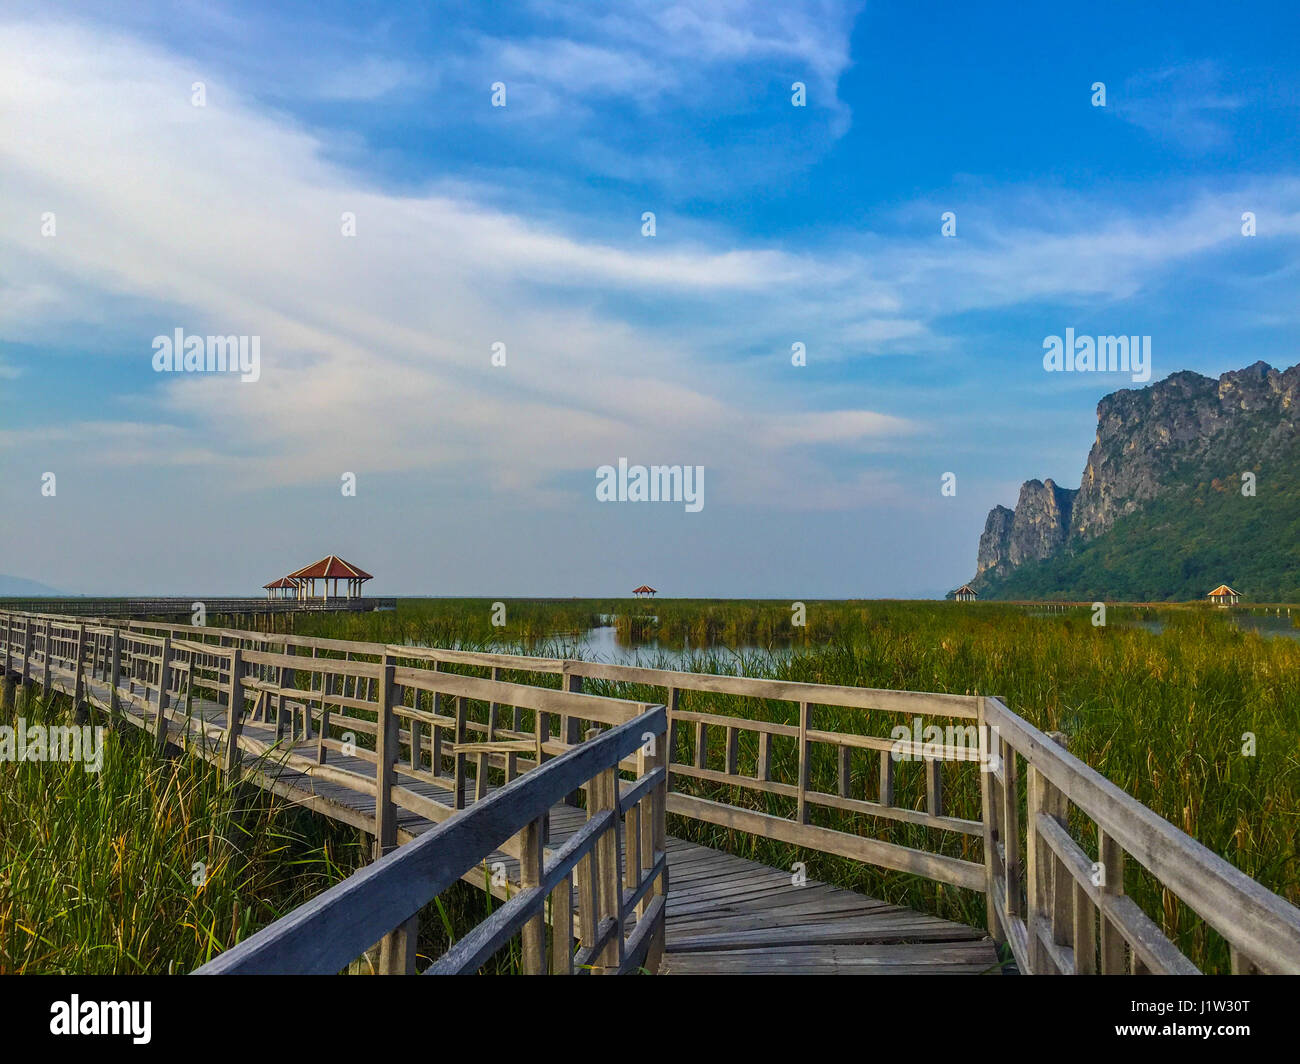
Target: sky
(389,195)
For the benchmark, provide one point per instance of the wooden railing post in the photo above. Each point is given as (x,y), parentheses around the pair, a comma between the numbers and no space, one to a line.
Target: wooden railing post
(323,732)
(886,796)
(530,875)
(458,759)
(417,732)
(934,786)
(397,950)
(1046,912)
(608,847)
(7,677)
(989,816)
(1013,873)
(673,703)
(805,756)
(45,643)
(164,694)
(570,726)
(115,672)
(289,679)
(1111,859)
(27,657)
(653,836)
(234,712)
(79,676)
(386,753)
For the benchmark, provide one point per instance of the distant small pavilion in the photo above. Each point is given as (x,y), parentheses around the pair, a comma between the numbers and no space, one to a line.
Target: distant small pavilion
(284,588)
(965,593)
(329,568)
(645,590)
(1224,596)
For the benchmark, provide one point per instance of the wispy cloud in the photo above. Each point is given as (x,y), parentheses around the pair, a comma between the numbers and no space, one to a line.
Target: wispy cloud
(1187,105)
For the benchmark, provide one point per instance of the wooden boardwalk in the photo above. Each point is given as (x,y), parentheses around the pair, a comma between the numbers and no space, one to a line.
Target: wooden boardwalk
(724,915)
(556,800)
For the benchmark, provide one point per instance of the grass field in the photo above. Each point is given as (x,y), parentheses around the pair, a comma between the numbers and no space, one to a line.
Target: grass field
(95,870)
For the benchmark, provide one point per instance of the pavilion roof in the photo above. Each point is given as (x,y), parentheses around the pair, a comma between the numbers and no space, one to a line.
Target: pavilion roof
(642,589)
(330,568)
(1223,590)
(284,581)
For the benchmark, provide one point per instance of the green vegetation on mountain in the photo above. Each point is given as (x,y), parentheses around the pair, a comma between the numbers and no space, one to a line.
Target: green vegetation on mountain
(1180,546)
(1192,482)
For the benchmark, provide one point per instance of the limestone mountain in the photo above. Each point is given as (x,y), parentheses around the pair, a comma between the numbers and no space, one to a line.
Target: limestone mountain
(1163,510)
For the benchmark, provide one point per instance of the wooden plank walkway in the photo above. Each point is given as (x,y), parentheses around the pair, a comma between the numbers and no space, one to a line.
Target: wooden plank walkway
(724,914)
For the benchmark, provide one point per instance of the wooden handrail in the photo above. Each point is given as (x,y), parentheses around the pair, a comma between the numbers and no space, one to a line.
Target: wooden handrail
(325,934)
(1262,929)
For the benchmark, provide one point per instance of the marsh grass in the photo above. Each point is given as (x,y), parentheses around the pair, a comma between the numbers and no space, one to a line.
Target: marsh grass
(97,870)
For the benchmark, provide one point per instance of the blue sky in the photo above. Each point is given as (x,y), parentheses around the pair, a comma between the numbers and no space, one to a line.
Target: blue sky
(521,224)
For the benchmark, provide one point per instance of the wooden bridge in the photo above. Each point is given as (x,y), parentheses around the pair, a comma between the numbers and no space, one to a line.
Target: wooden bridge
(504,770)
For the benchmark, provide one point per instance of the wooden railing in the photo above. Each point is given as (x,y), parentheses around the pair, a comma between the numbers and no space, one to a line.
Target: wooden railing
(613,753)
(620,911)
(754,755)
(1062,911)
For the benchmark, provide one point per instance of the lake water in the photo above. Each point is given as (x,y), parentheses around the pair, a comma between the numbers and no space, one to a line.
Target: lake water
(601,644)
(1265,624)
(1269,624)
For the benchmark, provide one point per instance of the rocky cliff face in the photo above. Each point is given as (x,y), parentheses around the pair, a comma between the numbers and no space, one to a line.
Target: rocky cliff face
(1148,440)
(1037,528)
(1182,425)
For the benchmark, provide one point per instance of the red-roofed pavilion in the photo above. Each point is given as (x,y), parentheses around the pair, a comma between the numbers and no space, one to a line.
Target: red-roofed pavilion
(644,589)
(281,588)
(329,568)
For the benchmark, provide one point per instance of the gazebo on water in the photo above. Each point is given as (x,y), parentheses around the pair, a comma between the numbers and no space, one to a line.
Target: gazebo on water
(302,584)
(645,590)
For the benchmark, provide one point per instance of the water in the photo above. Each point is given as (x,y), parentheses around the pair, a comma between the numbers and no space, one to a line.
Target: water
(1268,624)
(1265,624)
(601,644)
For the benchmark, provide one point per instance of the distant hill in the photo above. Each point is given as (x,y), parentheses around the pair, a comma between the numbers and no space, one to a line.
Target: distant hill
(17,587)
(1160,513)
